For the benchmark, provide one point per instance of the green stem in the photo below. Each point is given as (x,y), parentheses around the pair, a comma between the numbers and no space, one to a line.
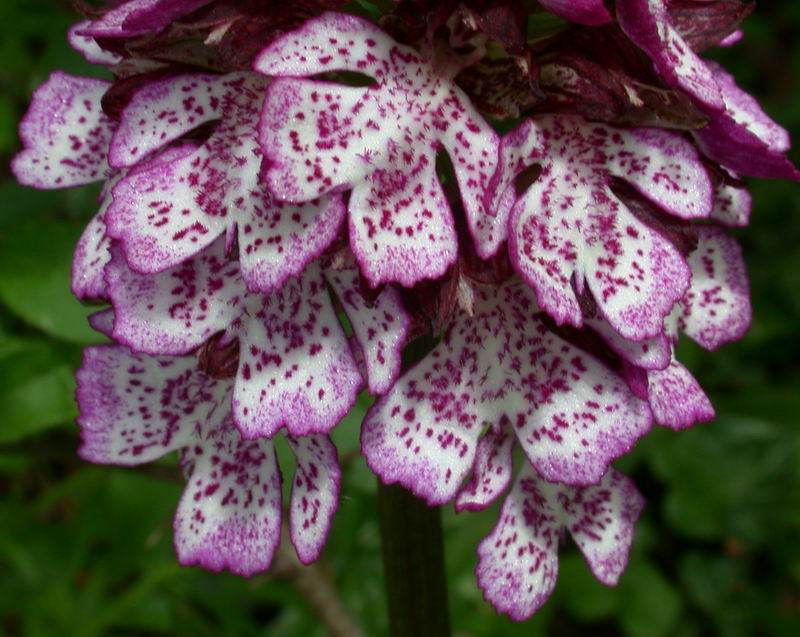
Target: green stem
(413,564)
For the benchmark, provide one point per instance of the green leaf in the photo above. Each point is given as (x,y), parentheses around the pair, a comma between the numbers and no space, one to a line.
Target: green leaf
(581,594)
(37,387)
(651,605)
(35,263)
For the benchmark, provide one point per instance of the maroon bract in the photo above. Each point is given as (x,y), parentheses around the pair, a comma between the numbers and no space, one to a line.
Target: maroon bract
(591,12)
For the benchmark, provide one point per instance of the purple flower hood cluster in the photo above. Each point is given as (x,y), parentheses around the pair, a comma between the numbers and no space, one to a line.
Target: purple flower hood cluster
(275,226)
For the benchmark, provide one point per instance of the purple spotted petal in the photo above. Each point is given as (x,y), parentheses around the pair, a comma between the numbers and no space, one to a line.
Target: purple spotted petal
(732,205)
(569,227)
(381,141)
(229,516)
(571,415)
(591,12)
(650,353)
(87,46)
(380,328)
(65,134)
(296,368)
(163,111)
(315,494)
(172,211)
(676,398)
(90,258)
(716,309)
(648,25)
(601,520)
(134,409)
(179,309)
(492,471)
(518,561)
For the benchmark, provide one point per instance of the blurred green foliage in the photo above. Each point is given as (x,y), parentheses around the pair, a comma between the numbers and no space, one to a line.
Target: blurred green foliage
(86,551)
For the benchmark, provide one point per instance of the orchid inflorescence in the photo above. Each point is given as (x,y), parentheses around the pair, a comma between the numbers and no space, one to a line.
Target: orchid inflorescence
(294,193)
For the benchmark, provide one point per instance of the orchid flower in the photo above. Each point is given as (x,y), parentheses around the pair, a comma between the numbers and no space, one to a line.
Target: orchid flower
(137,408)
(380,141)
(291,196)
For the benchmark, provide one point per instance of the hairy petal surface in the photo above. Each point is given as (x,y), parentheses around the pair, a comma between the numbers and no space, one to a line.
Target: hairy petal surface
(134,409)
(570,228)
(172,211)
(518,561)
(571,415)
(65,134)
(315,494)
(229,516)
(381,141)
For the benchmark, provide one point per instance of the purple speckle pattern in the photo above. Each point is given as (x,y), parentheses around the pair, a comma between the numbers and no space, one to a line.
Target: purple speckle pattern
(732,205)
(177,310)
(648,25)
(569,228)
(134,408)
(296,368)
(492,471)
(676,398)
(518,561)
(380,328)
(91,256)
(716,309)
(229,516)
(649,353)
(591,12)
(170,212)
(315,494)
(381,141)
(570,414)
(65,134)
